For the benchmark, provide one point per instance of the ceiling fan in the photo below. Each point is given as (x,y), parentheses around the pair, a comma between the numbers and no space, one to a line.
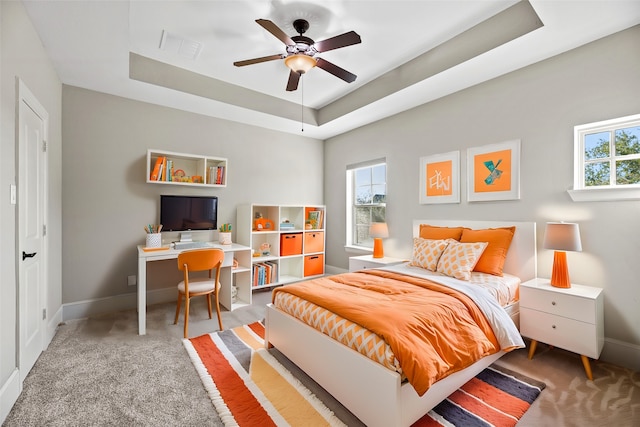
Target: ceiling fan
(301,52)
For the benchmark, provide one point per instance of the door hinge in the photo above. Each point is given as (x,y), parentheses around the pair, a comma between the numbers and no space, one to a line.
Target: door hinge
(44,313)
(44,146)
(44,229)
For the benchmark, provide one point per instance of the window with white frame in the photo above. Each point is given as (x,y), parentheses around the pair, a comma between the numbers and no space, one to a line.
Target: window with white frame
(366,200)
(607,160)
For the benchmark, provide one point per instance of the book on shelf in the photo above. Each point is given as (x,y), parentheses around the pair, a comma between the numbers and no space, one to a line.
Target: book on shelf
(264,273)
(163,177)
(156,169)
(216,175)
(159,178)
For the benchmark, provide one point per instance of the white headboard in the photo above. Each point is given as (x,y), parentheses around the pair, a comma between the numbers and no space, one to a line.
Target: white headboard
(522,256)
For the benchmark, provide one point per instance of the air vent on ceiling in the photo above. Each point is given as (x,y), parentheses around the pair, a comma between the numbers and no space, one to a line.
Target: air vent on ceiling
(180,45)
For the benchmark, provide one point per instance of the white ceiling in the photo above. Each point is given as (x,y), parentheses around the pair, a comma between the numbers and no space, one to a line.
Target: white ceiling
(91,43)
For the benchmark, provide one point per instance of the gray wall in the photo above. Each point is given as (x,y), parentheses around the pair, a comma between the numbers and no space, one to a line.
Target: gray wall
(99,200)
(107,201)
(22,55)
(539,105)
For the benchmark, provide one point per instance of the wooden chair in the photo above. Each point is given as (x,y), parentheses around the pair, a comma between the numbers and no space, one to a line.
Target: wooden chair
(193,261)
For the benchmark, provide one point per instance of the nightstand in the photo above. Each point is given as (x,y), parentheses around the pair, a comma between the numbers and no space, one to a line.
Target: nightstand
(569,318)
(367,261)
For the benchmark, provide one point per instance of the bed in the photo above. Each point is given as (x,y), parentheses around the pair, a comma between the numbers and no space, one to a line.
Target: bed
(376,394)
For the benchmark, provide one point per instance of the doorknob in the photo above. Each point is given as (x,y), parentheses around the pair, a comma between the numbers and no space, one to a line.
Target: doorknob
(26,255)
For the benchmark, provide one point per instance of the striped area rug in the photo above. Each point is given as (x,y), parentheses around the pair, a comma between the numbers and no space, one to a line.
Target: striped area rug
(250,387)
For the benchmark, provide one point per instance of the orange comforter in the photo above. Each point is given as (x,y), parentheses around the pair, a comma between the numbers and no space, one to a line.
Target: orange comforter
(433,330)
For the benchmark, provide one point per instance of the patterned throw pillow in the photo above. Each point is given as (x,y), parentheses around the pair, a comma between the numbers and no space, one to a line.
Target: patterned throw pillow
(426,252)
(459,259)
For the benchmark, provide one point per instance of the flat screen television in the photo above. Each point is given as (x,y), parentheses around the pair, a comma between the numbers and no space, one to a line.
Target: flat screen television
(182,213)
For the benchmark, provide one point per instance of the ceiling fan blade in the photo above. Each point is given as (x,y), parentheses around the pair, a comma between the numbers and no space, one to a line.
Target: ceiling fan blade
(276,31)
(294,78)
(346,39)
(258,60)
(335,70)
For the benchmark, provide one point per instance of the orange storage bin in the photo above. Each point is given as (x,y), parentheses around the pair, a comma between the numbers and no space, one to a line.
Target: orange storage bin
(313,265)
(290,244)
(313,242)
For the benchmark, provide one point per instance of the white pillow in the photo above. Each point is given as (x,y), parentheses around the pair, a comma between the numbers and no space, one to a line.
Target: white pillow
(459,259)
(427,252)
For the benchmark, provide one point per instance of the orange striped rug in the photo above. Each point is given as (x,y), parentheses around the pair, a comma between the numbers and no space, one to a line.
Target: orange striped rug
(250,387)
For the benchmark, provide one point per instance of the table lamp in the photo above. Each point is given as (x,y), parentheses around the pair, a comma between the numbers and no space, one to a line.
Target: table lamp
(562,237)
(378,230)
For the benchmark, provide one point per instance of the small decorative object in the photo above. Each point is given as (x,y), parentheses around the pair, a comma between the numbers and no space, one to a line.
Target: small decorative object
(178,175)
(234,293)
(561,236)
(314,219)
(265,249)
(154,238)
(378,230)
(308,225)
(263,224)
(224,234)
(197,179)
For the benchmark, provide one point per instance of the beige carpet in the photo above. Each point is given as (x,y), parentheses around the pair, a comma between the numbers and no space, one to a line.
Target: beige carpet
(98,372)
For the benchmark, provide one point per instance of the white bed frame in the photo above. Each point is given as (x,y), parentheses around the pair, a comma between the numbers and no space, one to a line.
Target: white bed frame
(370,391)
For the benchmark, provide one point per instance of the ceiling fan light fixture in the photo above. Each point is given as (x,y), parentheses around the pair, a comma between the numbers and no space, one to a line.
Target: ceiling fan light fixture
(300,63)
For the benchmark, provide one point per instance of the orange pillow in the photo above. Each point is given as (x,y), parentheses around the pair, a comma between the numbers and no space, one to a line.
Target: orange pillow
(493,257)
(440,233)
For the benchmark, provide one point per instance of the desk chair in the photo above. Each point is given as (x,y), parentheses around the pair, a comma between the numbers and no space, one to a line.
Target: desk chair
(193,261)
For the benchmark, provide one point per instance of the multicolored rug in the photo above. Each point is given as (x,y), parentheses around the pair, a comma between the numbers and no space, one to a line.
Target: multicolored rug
(250,387)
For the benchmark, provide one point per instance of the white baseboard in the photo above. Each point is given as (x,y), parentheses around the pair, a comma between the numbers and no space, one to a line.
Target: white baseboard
(9,393)
(97,306)
(621,353)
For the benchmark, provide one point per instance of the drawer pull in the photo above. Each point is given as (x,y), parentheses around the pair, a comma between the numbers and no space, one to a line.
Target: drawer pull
(553,303)
(553,326)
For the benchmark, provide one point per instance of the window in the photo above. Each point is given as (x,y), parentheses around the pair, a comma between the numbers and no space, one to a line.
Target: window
(366,200)
(607,160)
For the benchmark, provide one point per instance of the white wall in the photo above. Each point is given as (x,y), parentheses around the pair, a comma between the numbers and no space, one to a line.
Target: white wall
(22,55)
(539,105)
(107,201)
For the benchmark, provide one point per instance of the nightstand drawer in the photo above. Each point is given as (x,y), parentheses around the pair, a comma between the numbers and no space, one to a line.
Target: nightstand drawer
(355,265)
(582,309)
(578,337)
(367,261)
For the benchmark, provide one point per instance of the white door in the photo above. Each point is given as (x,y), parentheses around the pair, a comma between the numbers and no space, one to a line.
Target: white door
(32,165)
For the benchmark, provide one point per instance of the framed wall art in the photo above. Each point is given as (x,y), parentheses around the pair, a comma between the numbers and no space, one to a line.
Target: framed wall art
(440,178)
(493,172)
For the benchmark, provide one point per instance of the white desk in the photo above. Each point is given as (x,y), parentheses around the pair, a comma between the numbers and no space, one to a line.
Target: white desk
(241,275)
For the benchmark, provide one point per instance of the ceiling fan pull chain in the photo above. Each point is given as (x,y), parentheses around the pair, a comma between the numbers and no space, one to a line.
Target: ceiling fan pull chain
(302,104)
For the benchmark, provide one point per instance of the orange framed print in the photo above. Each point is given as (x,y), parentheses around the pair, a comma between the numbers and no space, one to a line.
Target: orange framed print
(493,172)
(440,178)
